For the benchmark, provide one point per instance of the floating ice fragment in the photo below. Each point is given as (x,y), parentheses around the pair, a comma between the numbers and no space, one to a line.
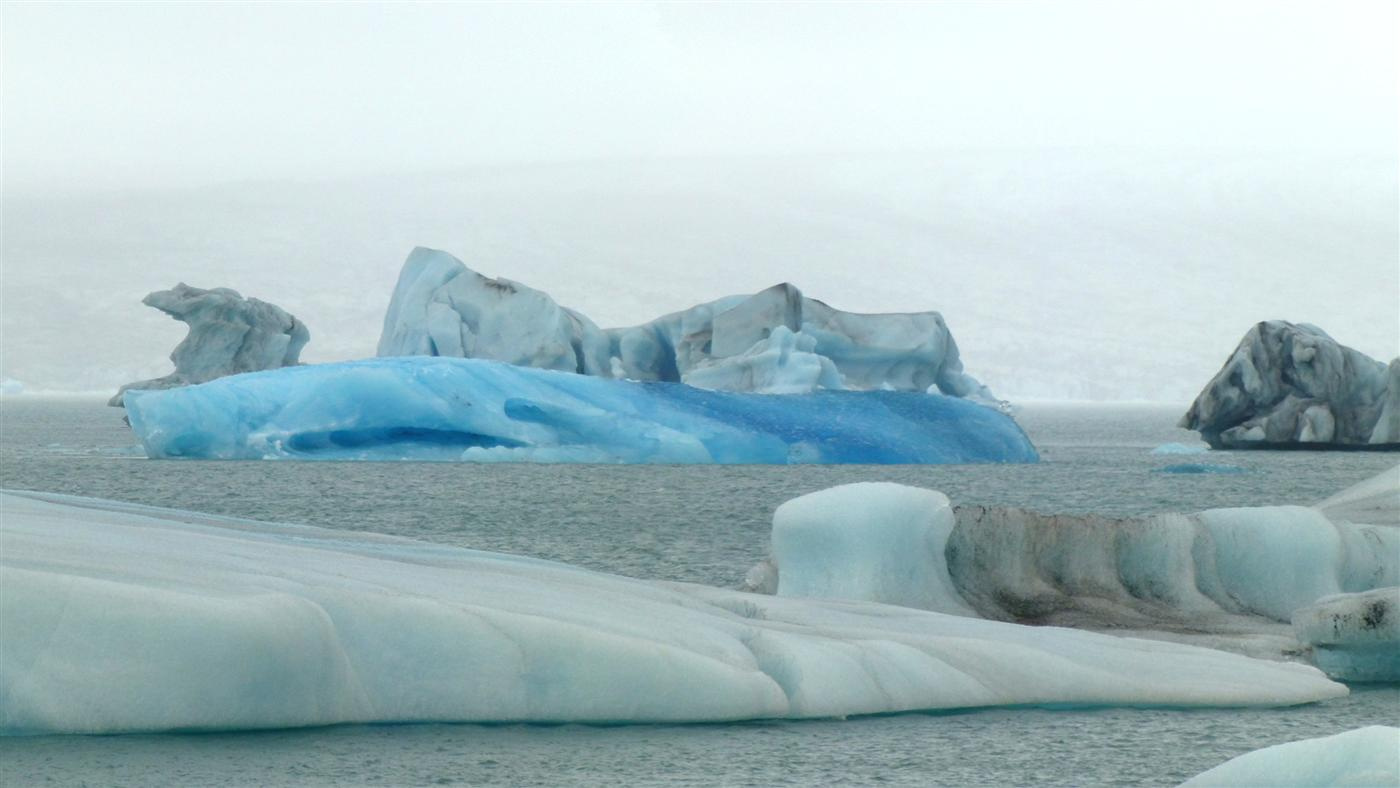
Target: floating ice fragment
(1361,758)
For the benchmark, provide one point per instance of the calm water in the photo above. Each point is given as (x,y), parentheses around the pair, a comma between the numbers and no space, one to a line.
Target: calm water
(703,524)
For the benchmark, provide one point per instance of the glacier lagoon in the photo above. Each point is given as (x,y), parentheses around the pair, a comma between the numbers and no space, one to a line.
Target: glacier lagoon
(435,408)
(682,523)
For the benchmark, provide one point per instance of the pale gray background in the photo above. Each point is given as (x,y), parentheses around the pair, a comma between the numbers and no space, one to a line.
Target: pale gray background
(1100,197)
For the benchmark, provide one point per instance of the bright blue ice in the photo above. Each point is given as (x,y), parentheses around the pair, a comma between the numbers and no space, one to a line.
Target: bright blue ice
(451,408)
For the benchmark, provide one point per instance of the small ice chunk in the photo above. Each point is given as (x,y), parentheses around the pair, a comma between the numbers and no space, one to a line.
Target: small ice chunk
(1201,467)
(1180,448)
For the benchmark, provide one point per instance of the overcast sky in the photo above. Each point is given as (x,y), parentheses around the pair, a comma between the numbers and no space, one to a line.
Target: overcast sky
(128,95)
(1133,182)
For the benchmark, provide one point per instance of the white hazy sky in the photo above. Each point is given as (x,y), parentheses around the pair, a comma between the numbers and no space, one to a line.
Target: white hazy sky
(1100,196)
(119,95)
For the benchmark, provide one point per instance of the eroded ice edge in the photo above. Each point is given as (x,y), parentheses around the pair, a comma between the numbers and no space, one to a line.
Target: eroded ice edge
(127,618)
(1225,578)
(471,409)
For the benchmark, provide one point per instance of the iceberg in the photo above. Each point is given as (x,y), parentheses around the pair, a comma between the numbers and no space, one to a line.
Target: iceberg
(775,341)
(1202,468)
(454,409)
(1360,758)
(1227,578)
(1376,500)
(1179,448)
(228,334)
(783,363)
(1354,637)
(122,618)
(442,308)
(872,541)
(1292,385)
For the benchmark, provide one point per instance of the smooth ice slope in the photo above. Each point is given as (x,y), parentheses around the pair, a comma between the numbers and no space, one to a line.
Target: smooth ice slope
(127,618)
(229,334)
(1361,758)
(1230,578)
(776,341)
(1354,637)
(451,408)
(1294,384)
(1376,500)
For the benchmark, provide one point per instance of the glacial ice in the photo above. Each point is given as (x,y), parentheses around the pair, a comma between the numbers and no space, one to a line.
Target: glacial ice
(1228,578)
(872,541)
(442,308)
(775,341)
(452,408)
(1289,384)
(1202,468)
(1179,448)
(122,618)
(1354,637)
(1376,500)
(783,363)
(228,334)
(1361,758)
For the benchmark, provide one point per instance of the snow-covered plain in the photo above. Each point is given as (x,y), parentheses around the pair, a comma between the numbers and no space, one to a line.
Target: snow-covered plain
(1227,578)
(120,617)
(1362,758)
(453,408)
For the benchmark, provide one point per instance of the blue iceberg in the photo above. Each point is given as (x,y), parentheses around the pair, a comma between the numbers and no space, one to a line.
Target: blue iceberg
(435,408)
(1201,467)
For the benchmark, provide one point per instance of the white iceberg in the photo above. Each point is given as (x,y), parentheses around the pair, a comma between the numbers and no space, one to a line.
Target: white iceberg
(1227,578)
(1354,637)
(782,363)
(872,541)
(128,618)
(1362,758)
(774,341)
(1292,384)
(229,334)
(442,308)
(453,408)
